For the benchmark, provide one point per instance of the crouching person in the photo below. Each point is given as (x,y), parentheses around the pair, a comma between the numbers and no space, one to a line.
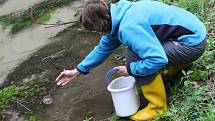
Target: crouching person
(156,36)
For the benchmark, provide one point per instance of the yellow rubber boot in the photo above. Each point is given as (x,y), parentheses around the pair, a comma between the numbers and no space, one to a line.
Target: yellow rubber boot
(174,70)
(155,93)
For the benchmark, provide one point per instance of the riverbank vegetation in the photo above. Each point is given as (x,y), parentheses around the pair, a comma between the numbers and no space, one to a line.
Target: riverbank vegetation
(22,95)
(41,13)
(193,98)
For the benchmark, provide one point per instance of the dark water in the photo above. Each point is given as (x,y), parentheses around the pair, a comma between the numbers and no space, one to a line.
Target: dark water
(86,96)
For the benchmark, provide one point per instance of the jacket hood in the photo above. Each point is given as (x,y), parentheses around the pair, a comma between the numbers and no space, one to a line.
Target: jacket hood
(117,12)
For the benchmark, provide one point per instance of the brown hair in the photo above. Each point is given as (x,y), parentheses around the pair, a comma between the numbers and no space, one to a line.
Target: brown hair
(96,16)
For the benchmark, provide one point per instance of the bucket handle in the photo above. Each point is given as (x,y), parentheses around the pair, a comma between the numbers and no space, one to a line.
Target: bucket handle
(107,77)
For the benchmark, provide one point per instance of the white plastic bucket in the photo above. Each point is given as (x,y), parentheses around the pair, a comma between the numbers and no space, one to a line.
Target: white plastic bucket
(124,95)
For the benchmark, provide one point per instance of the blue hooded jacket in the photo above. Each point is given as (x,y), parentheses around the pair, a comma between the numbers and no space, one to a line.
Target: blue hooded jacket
(142,26)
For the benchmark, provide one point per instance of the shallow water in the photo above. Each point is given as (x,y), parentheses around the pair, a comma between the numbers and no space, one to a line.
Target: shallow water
(85,96)
(11,6)
(34,51)
(16,48)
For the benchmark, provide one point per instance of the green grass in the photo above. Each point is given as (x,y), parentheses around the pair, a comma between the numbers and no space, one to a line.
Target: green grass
(20,91)
(114,118)
(31,116)
(191,98)
(21,20)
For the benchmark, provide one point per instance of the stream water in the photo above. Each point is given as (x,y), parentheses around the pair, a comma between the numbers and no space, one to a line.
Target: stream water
(11,6)
(30,52)
(16,48)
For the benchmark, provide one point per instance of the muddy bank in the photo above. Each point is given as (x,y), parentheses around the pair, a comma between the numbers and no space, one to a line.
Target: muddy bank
(65,50)
(16,48)
(24,56)
(84,97)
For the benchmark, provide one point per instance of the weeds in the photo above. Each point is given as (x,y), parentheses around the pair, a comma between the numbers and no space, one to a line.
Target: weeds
(88,119)
(192,99)
(31,116)
(17,93)
(114,118)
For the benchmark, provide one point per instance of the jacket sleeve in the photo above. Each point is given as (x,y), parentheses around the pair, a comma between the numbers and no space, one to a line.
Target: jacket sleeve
(139,36)
(98,54)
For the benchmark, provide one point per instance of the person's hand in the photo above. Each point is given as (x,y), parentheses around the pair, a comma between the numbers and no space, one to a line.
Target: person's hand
(66,76)
(122,70)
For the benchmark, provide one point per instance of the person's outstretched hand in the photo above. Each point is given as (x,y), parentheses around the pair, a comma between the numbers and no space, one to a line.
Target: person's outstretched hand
(66,76)
(122,70)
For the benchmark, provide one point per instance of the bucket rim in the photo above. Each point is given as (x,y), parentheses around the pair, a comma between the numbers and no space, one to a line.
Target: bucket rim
(122,89)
